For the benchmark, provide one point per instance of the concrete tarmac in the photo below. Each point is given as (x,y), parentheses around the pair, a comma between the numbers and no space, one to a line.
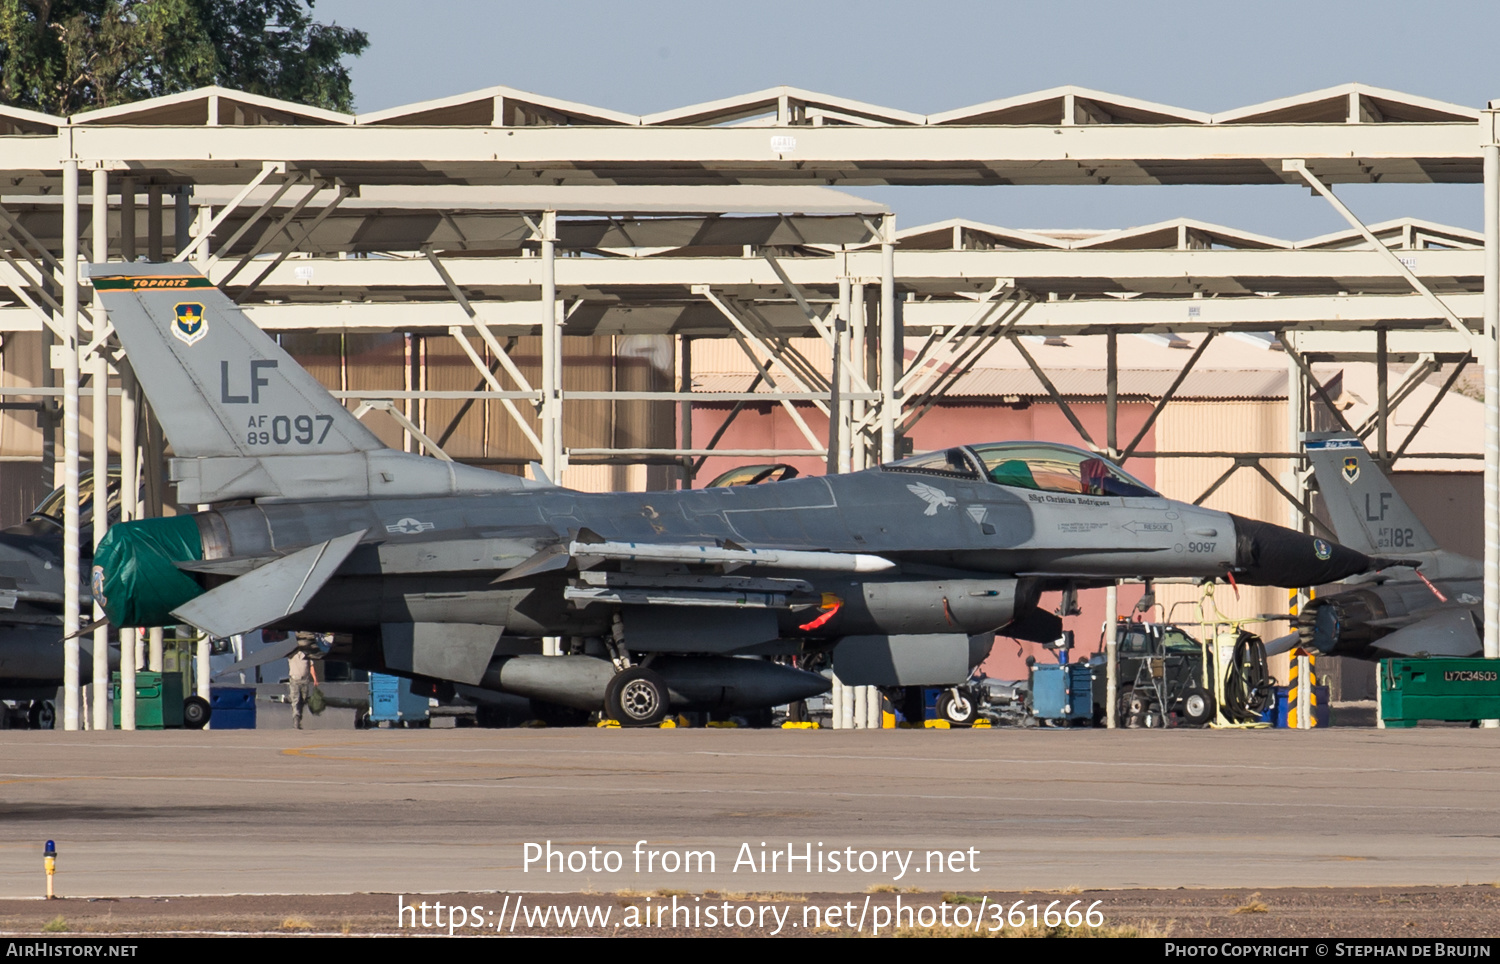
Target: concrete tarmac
(424,811)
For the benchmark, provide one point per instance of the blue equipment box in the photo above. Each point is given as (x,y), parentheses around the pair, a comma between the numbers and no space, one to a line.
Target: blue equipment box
(233,707)
(391,700)
(1062,692)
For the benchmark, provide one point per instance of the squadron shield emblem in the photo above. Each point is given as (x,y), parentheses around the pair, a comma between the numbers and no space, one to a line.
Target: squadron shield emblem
(1351,468)
(190,325)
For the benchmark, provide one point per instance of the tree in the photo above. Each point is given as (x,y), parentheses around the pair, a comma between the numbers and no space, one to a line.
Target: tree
(66,56)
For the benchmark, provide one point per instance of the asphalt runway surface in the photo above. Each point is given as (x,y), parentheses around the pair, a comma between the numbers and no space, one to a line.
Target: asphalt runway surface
(442,811)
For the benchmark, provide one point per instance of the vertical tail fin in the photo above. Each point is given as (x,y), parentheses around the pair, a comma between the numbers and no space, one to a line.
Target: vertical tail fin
(220,386)
(1368,513)
(241,414)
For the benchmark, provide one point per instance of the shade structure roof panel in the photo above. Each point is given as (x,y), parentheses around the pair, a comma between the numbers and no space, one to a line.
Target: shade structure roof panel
(501,135)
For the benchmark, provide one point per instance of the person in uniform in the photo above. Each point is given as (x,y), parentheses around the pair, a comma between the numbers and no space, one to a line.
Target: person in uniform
(302,673)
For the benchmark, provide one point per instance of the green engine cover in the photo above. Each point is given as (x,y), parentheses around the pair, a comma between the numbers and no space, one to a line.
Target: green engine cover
(135,580)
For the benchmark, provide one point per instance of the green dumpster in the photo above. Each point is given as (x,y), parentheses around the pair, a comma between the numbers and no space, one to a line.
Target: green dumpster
(1438,689)
(158,700)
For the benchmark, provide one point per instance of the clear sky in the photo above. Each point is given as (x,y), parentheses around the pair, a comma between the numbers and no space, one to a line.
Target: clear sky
(1205,55)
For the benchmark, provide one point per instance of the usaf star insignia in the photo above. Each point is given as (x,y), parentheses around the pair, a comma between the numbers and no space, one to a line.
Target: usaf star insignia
(409,526)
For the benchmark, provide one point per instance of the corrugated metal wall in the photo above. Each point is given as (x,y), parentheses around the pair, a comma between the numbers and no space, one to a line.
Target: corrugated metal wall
(1227,426)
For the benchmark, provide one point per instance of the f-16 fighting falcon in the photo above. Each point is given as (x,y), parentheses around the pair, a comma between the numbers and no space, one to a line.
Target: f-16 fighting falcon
(31,601)
(444,572)
(1435,608)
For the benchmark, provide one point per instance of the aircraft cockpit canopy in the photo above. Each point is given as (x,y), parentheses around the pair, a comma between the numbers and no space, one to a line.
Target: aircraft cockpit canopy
(1042,466)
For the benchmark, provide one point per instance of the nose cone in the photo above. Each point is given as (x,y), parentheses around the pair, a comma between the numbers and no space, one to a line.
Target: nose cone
(1272,555)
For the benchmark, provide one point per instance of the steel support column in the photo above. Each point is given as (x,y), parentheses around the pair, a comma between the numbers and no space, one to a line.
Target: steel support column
(890,350)
(69,352)
(1490,349)
(838,420)
(857,357)
(1296,425)
(1382,397)
(99,366)
(552,442)
(1111,651)
(1112,394)
(129,493)
(685,408)
(127,219)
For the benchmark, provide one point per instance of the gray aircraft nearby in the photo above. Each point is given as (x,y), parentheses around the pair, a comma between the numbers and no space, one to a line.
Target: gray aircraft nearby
(446,573)
(31,600)
(1436,608)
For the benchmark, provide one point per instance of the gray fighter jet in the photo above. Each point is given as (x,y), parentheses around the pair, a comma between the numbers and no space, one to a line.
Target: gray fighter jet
(445,572)
(1435,608)
(31,600)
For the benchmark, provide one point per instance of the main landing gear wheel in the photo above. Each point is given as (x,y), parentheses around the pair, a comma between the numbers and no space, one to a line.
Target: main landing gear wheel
(1133,708)
(1197,706)
(42,715)
(195,713)
(636,697)
(957,707)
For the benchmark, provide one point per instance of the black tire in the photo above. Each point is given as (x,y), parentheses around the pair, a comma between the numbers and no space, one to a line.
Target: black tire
(42,715)
(1197,706)
(637,697)
(960,710)
(195,713)
(1133,708)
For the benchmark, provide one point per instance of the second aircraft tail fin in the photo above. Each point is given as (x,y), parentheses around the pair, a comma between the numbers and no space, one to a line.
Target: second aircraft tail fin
(1368,513)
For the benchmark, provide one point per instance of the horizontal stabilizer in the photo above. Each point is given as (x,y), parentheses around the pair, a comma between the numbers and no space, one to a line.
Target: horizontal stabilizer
(88,628)
(232,566)
(270,593)
(1451,632)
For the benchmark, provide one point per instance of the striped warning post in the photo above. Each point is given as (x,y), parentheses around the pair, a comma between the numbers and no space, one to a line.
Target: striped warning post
(1300,696)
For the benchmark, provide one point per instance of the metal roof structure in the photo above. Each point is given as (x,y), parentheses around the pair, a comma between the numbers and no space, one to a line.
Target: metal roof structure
(316,233)
(1065,135)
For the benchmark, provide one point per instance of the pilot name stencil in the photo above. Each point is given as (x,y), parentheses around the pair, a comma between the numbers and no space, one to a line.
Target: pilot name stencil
(1047,498)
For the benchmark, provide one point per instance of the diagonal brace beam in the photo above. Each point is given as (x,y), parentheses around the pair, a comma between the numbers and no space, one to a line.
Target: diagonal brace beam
(1316,183)
(1317,386)
(385,404)
(741,335)
(1431,407)
(859,383)
(487,336)
(1057,398)
(266,170)
(1166,397)
(343,192)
